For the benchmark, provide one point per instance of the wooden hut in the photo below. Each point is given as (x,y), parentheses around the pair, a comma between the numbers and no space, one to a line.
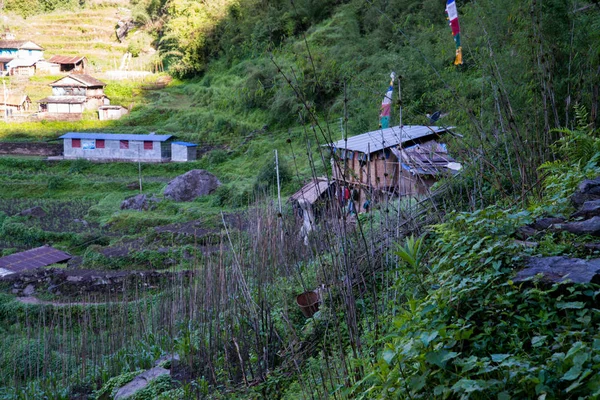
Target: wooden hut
(387,161)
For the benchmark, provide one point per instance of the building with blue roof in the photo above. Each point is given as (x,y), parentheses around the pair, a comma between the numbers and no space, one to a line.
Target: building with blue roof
(117,147)
(183,151)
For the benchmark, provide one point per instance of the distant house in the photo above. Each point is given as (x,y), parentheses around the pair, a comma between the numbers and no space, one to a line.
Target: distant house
(183,151)
(23,49)
(21,67)
(111,112)
(73,64)
(404,161)
(14,103)
(74,94)
(117,147)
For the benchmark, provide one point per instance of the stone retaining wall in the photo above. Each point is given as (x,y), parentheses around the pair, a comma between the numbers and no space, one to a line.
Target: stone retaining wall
(31,148)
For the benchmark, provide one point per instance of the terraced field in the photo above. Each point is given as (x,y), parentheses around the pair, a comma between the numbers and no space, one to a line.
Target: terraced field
(89,32)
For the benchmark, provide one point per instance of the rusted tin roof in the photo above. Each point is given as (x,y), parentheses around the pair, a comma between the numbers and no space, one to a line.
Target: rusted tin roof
(32,259)
(66,59)
(429,158)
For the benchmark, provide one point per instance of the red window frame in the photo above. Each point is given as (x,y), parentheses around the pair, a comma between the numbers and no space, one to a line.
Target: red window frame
(99,143)
(148,145)
(123,144)
(75,143)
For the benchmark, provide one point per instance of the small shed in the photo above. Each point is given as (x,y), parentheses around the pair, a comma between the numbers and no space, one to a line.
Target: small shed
(183,151)
(111,112)
(21,67)
(116,147)
(15,103)
(73,64)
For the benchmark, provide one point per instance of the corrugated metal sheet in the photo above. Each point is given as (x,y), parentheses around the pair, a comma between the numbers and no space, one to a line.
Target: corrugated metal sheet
(84,81)
(384,138)
(65,59)
(115,136)
(21,62)
(312,190)
(186,144)
(63,99)
(429,158)
(5,59)
(32,259)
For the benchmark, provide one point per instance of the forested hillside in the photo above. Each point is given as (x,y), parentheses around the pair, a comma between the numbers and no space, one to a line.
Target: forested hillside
(420,298)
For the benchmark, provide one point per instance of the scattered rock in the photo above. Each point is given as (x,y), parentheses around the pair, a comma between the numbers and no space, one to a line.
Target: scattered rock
(588,190)
(588,210)
(525,232)
(141,202)
(123,28)
(167,357)
(36,211)
(588,227)
(29,290)
(544,223)
(192,184)
(140,382)
(560,269)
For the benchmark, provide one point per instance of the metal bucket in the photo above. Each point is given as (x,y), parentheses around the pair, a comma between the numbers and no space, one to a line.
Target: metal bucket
(308,303)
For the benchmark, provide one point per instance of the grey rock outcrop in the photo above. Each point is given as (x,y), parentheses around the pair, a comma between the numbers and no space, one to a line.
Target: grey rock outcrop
(560,268)
(192,184)
(588,227)
(588,190)
(589,209)
(140,382)
(141,202)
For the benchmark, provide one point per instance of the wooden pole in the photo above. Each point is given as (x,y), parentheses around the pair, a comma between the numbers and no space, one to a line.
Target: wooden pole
(278,183)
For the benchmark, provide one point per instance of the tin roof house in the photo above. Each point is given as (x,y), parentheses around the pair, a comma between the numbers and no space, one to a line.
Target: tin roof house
(23,49)
(74,94)
(404,161)
(117,147)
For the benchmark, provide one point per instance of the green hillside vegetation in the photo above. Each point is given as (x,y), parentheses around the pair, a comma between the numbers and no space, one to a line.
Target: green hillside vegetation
(419,296)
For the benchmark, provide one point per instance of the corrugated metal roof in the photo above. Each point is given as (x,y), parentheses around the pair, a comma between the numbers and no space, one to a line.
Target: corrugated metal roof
(63,99)
(384,138)
(83,79)
(312,190)
(65,59)
(115,136)
(32,259)
(5,59)
(19,45)
(186,144)
(21,62)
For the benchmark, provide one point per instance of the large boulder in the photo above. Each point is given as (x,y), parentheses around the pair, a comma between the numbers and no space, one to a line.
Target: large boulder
(559,269)
(141,202)
(140,382)
(192,184)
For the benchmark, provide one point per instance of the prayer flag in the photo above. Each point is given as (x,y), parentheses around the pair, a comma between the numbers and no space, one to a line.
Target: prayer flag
(453,18)
(386,104)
